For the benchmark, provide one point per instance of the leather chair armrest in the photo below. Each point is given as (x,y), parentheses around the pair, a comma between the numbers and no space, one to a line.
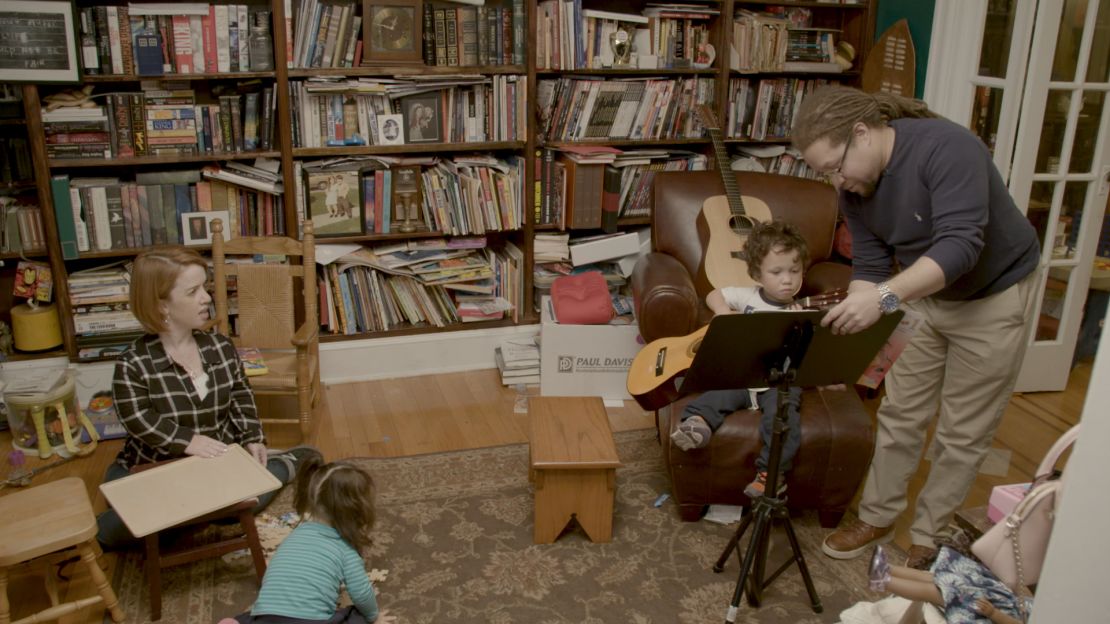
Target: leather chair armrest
(826,276)
(666,301)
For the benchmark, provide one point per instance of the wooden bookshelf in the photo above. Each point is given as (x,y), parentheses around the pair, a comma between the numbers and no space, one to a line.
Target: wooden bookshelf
(855,21)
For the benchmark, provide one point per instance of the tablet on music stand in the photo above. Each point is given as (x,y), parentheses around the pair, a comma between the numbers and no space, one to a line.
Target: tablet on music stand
(736,350)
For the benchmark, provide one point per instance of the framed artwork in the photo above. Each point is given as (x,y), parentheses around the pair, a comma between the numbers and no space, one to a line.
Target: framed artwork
(39,41)
(423,123)
(392,32)
(196,227)
(389,129)
(333,202)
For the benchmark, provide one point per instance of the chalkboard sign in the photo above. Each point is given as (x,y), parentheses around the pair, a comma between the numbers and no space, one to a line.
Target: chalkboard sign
(38,42)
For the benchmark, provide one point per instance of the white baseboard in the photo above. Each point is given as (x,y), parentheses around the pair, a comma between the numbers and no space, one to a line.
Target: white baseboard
(409,356)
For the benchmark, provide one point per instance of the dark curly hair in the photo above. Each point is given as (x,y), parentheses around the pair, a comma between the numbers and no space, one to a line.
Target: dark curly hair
(774,236)
(340,494)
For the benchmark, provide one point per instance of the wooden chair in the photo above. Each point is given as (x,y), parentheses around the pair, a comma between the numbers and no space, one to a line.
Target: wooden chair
(156,558)
(267,309)
(45,520)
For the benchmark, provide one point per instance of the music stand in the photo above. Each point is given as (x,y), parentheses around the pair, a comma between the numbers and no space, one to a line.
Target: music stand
(778,350)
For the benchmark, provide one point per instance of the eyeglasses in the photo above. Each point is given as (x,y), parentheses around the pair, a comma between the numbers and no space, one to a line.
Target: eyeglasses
(836,172)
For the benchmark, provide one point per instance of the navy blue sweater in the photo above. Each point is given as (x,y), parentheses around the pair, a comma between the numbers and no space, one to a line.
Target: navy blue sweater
(942,197)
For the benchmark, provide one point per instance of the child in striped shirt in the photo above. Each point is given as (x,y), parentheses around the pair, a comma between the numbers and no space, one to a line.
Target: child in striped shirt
(323,553)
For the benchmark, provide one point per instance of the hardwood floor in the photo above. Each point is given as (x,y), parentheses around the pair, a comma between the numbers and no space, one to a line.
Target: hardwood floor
(458,411)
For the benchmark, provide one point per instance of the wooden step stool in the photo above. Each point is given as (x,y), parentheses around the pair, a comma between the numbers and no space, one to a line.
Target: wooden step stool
(572,464)
(48,519)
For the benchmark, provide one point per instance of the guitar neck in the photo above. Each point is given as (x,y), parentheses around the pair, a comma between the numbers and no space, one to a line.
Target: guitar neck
(732,190)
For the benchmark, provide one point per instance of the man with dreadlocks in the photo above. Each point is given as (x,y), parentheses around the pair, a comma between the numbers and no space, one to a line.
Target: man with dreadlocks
(934,230)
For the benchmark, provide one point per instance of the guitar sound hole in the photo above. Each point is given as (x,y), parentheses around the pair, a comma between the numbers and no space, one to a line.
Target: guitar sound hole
(741,224)
(694,346)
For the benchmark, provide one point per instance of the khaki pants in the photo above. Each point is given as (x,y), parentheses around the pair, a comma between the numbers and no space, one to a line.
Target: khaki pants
(964,358)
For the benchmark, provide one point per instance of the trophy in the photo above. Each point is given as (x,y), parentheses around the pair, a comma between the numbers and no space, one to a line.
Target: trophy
(406,198)
(621,44)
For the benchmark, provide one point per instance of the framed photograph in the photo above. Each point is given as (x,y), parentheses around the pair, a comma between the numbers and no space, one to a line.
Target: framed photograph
(196,227)
(333,202)
(39,41)
(392,32)
(390,129)
(423,123)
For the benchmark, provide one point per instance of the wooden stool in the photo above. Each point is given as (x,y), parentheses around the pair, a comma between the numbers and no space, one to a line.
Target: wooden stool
(47,519)
(572,463)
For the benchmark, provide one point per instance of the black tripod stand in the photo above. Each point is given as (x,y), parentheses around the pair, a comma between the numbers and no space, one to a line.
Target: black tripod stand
(779,350)
(781,371)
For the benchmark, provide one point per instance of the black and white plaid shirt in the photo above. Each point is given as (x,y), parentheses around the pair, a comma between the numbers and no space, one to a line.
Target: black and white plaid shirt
(161,410)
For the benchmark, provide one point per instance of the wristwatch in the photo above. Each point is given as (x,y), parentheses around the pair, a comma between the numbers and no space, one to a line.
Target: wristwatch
(888,301)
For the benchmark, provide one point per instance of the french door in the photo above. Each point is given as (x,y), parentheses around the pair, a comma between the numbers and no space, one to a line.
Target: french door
(1039,97)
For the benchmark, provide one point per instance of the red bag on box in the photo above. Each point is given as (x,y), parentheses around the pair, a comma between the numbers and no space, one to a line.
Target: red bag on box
(581,299)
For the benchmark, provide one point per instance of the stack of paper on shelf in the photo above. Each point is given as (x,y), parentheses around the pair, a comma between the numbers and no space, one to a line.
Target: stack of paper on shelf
(551,248)
(518,359)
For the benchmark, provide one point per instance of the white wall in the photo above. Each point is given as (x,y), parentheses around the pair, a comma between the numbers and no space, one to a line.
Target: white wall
(1077,566)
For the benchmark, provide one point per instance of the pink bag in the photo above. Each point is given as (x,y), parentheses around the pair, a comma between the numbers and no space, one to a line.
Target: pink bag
(1014,549)
(581,299)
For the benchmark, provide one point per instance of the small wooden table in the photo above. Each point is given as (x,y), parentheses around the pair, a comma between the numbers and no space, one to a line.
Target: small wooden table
(572,464)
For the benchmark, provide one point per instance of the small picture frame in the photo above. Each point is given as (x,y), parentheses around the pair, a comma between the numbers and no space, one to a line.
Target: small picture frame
(392,32)
(40,42)
(423,123)
(391,129)
(333,202)
(196,227)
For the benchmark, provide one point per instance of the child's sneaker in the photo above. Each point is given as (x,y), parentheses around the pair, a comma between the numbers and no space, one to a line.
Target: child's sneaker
(758,486)
(692,433)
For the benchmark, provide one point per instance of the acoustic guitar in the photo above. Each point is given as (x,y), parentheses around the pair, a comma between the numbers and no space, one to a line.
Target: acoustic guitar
(730,218)
(651,377)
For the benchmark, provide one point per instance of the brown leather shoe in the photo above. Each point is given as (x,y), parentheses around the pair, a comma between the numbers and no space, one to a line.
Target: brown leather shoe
(851,541)
(921,557)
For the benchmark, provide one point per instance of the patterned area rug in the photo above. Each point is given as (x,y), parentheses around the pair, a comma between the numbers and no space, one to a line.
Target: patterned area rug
(454,537)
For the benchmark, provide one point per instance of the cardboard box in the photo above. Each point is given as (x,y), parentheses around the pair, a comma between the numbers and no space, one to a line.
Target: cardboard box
(585,360)
(606,247)
(1004,498)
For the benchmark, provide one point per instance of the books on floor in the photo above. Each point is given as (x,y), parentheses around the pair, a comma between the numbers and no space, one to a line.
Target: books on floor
(518,360)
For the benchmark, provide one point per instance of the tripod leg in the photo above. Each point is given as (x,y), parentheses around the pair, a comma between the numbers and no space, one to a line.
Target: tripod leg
(762,525)
(815,601)
(732,543)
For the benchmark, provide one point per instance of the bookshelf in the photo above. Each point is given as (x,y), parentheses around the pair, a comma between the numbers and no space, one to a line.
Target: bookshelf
(518,67)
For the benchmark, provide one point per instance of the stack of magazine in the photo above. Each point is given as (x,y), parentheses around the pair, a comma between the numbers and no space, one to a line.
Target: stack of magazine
(518,360)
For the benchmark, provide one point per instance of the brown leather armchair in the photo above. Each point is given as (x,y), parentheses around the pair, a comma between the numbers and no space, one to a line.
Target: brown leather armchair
(670,286)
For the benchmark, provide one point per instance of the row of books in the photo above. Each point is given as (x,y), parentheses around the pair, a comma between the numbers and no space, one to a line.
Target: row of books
(778,159)
(774,42)
(571,37)
(765,109)
(368,112)
(518,360)
(382,289)
(100,214)
(15,160)
(159,122)
(20,226)
(578,108)
(474,194)
(326,34)
(189,38)
(474,35)
(585,194)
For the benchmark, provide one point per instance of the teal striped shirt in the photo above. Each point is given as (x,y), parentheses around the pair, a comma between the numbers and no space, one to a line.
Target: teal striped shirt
(305,574)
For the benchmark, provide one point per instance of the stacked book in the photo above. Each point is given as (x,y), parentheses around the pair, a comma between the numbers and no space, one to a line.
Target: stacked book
(77,133)
(518,361)
(102,318)
(20,226)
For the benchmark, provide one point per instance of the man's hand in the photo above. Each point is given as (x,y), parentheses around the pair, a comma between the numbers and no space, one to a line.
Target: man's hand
(204,446)
(856,313)
(257,451)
